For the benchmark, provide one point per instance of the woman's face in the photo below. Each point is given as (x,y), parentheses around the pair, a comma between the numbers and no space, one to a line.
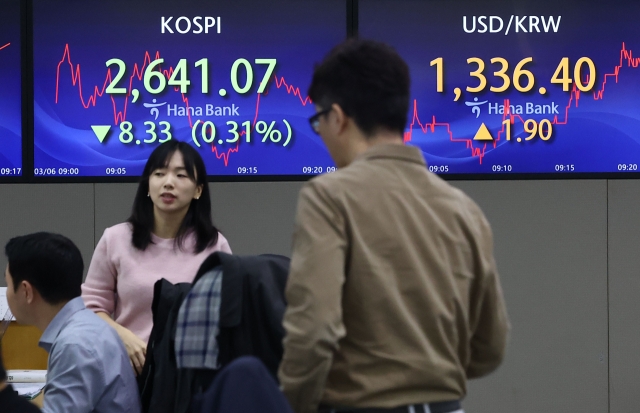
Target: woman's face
(170,188)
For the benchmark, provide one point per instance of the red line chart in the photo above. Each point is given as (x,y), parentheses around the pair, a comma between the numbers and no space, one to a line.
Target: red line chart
(626,60)
(5,46)
(137,72)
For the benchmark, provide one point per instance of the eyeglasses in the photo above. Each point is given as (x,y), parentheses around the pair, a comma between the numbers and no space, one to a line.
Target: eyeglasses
(314,120)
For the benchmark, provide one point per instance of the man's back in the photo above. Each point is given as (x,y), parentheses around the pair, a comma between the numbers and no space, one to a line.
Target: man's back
(89,370)
(419,307)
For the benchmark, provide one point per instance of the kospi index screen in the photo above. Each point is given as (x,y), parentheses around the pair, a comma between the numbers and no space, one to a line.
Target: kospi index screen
(114,79)
(511,87)
(10,90)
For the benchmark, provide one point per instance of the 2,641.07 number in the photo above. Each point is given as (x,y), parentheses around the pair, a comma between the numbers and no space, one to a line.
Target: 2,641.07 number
(178,76)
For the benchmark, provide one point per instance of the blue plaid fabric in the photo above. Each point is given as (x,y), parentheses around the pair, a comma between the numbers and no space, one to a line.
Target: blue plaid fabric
(195,342)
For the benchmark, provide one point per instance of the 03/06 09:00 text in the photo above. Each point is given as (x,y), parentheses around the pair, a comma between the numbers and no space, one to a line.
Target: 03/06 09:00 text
(56,171)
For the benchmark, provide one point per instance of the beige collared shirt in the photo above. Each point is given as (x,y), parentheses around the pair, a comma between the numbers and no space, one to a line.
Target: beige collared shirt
(393,294)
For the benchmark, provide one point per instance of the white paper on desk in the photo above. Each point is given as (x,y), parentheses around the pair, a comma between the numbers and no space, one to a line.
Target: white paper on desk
(4,306)
(26,376)
(28,390)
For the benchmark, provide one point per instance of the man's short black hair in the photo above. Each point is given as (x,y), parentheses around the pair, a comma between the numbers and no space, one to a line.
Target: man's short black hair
(370,82)
(50,262)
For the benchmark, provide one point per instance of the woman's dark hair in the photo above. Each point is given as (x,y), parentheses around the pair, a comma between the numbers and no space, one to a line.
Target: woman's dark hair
(198,217)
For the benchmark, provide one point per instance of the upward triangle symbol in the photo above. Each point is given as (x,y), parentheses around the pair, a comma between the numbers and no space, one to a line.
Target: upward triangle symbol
(483,134)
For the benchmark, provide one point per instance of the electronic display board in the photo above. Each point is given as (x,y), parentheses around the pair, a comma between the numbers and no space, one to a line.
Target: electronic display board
(113,79)
(10,90)
(518,87)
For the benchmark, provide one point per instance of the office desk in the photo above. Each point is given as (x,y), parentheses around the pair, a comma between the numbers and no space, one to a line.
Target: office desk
(20,349)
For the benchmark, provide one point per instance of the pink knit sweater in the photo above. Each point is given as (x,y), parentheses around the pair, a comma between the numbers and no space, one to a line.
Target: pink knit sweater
(120,278)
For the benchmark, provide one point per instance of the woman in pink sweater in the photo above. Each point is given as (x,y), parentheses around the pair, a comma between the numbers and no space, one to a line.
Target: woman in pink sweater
(168,235)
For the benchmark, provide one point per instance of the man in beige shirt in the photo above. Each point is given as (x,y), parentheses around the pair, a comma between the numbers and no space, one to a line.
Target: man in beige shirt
(393,295)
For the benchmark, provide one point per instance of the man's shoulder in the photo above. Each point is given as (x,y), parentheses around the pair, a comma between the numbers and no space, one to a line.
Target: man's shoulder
(367,178)
(328,189)
(87,340)
(444,188)
(370,174)
(85,329)
(340,180)
(460,203)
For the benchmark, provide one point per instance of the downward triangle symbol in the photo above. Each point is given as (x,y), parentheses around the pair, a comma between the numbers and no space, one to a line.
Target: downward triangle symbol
(101,131)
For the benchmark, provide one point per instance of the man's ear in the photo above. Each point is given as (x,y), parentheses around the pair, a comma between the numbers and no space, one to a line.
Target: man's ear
(28,290)
(340,118)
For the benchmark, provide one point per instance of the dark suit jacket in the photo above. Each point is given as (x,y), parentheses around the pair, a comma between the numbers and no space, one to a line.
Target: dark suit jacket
(251,310)
(252,306)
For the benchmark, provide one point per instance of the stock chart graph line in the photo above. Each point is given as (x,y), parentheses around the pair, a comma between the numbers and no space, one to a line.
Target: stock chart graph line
(76,80)
(633,62)
(479,152)
(291,90)
(5,46)
(626,60)
(138,73)
(574,97)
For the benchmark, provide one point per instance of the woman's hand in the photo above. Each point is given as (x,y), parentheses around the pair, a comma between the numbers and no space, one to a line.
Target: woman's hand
(136,348)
